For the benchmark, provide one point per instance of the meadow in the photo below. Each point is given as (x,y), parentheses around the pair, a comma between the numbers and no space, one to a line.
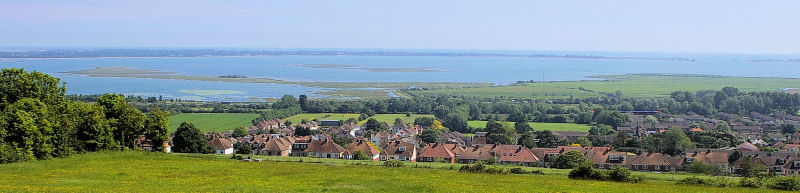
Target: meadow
(135,171)
(631,85)
(540,126)
(388,118)
(212,121)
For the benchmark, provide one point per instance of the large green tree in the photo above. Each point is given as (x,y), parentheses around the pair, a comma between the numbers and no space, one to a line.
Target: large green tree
(189,139)
(157,128)
(93,130)
(498,133)
(27,130)
(546,138)
(570,159)
(126,121)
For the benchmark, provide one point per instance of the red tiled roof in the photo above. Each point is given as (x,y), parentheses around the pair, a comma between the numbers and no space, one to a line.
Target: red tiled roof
(436,150)
(363,146)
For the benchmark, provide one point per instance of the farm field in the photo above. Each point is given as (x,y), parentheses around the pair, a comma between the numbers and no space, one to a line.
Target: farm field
(540,126)
(631,85)
(134,171)
(212,121)
(388,118)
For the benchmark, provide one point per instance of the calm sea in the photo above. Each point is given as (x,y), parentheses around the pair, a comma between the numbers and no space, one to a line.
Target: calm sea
(499,70)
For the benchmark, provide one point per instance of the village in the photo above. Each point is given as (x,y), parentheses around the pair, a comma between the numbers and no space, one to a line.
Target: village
(763,144)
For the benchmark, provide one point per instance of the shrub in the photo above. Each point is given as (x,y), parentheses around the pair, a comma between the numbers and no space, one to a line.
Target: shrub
(785,183)
(393,163)
(750,182)
(582,172)
(480,167)
(517,171)
(621,174)
(698,167)
(571,159)
(695,181)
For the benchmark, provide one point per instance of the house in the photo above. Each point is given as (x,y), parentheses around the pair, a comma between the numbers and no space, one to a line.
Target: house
(299,146)
(380,137)
(325,148)
(650,162)
(399,150)
(436,151)
(365,146)
(607,159)
(398,126)
(746,146)
(546,155)
(276,145)
(714,158)
(516,154)
(221,145)
(472,154)
(330,123)
(479,138)
(792,147)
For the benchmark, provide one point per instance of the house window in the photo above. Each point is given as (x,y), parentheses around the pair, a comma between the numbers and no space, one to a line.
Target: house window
(657,167)
(689,160)
(402,148)
(430,159)
(797,164)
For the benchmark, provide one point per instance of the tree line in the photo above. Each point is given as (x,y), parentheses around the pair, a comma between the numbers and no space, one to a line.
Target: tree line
(39,122)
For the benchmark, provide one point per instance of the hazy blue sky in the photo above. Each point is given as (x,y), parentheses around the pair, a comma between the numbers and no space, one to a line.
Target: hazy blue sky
(643,26)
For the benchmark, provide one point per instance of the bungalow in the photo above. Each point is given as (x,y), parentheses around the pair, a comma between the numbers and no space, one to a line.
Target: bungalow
(277,146)
(715,158)
(746,146)
(607,159)
(221,145)
(479,138)
(399,150)
(473,154)
(792,147)
(325,148)
(436,151)
(647,162)
(365,146)
(299,146)
(516,154)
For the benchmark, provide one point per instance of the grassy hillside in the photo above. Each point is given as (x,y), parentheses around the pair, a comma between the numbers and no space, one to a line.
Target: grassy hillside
(388,118)
(156,172)
(540,126)
(212,121)
(634,85)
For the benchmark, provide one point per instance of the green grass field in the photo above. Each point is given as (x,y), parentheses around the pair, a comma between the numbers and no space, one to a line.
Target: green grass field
(212,121)
(540,126)
(632,85)
(388,118)
(133,171)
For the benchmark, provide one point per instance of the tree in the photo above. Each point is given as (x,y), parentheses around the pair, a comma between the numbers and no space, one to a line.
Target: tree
(273,131)
(675,140)
(244,149)
(424,121)
(189,139)
(303,102)
(437,125)
(736,155)
(16,84)
(570,159)
(239,132)
(287,101)
(93,131)
(583,118)
(27,130)
(547,139)
(788,129)
(375,125)
(360,155)
(127,121)
(612,118)
(724,127)
(527,141)
(583,141)
(398,121)
(498,133)
(430,135)
(522,127)
(302,131)
(287,123)
(601,129)
(517,116)
(157,128)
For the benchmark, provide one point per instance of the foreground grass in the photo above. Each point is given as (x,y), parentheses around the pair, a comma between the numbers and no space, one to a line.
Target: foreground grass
(157,172)
(631,85)
(212,121)
(540,126)
(388,118)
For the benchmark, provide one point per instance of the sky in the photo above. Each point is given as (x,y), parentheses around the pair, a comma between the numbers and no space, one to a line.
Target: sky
(709,26)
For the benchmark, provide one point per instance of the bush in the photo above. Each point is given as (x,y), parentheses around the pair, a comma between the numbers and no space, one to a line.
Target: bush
(698,167)
(571,159)
(621,174)
(393,163)
(582,172)
(785,183)
(695,181)
(480,167)
(750,182)
(517,171)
